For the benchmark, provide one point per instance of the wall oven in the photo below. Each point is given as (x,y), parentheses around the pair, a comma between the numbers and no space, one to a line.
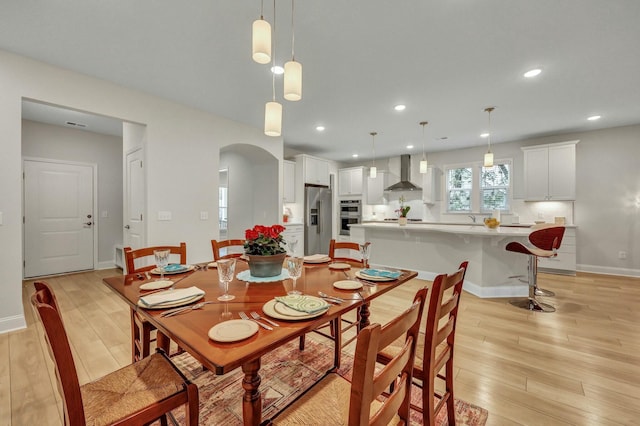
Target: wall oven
(350,214)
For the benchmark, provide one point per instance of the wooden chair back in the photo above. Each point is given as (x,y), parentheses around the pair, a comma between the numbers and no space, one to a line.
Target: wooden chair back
(225,244)
(130,256)
(547,238)
(368,384)
(345,245)
(439,343)
(46,305)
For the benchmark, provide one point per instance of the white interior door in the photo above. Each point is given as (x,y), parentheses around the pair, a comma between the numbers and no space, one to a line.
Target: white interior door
(58,217)
(134,229)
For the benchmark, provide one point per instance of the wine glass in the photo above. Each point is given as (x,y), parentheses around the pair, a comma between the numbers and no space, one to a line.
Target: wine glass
(365,252)
(292,246)
(162,260)
(294,267)
(226,269)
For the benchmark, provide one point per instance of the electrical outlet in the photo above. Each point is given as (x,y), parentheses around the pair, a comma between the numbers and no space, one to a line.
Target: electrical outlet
(164,215)
(204,215)
(622,255)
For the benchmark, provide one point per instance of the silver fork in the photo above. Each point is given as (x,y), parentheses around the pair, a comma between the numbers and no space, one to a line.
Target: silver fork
(176,311)
(246,317)
(256,316)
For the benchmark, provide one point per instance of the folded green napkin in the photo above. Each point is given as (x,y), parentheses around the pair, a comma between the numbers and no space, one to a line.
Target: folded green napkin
(302,303)
(170,296)
(175,267)
(381,273)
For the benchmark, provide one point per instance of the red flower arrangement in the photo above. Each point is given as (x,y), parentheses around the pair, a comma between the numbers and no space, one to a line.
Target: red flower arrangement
(264,240)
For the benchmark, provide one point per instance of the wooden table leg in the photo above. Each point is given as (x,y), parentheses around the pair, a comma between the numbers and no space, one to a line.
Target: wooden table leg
(163,342)
(252,400)
(364,316)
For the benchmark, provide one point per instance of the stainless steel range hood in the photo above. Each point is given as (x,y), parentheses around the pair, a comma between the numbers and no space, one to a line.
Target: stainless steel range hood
(405,175)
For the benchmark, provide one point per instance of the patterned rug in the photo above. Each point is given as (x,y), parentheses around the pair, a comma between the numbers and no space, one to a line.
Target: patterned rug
(285,372)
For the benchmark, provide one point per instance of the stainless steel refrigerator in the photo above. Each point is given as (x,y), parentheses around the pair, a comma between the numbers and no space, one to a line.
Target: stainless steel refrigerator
(317,219)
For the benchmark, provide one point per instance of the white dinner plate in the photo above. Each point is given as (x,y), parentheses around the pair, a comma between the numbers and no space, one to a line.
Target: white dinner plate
(347,285)
(233,330)
(372,278)
(188,268)
(212,265)
(316,258)
(172,304)
(339,266)
(269,308)
(154,285)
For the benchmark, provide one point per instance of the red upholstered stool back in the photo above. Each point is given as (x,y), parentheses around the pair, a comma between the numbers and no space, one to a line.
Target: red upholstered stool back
(547,238)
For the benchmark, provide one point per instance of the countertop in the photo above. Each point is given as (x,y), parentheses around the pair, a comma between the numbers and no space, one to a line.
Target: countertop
(466,229)
(506,225)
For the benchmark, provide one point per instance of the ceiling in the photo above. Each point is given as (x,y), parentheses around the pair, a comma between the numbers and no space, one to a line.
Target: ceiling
(446,60)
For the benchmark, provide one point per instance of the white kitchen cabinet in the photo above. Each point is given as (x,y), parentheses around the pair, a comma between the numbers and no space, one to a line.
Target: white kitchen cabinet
(550,172)
(377,185)
(350,181)
(565,261)
(315,170)
(289,180)
(429,186)
(294,232)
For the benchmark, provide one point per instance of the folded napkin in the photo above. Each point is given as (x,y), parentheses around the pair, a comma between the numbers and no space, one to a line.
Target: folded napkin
(175,267)
(316,257)
(381,273)
(303,303)
(171,296)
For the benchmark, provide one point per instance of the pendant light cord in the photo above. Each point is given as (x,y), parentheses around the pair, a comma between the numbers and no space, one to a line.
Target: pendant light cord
(489,139)
(273,55)
(293,33)
(373,143)
(423,123)
(262,9)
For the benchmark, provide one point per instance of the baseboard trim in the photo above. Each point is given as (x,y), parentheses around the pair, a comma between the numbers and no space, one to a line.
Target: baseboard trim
(109,264)
(607,270)
(496,291)
(13,323)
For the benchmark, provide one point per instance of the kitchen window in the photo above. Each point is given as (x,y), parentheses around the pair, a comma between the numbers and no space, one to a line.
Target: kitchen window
(474,188)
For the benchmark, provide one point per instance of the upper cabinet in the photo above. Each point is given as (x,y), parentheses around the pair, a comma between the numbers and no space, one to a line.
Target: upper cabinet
(315,170)
(376,187)
(289,180)
(550,172)
(350,181)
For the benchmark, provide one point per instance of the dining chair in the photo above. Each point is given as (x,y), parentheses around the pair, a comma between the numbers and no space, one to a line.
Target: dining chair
(139,393)
(141,329)
(353,253)
(544,242)
(435,346)
(335,400)
(237,247)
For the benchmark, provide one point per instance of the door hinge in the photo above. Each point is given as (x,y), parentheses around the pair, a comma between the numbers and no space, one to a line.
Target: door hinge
(140,164)
(23,221)
(24,264)
(140,216)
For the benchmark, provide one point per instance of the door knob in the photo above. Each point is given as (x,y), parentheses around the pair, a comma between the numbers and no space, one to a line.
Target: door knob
(127,227)
(88,223)
(88,216)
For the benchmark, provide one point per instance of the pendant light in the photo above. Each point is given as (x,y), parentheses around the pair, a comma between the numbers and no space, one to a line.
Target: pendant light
(423,162)
(261,39)
(488,157)
(273,109)
(292,69)
(373,171)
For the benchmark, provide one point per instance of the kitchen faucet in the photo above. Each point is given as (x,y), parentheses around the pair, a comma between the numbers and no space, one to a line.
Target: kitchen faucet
(473,218)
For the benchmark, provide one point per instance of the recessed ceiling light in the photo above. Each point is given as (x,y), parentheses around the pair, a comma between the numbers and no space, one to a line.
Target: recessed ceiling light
(355,155)
(532,73)
(409,146)
(277,70)
(484,135)
(320,128)
(594,118)
(400,107)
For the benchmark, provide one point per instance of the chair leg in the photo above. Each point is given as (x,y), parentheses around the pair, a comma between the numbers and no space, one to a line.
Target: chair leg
(537,290)
(302,340)
(451,405)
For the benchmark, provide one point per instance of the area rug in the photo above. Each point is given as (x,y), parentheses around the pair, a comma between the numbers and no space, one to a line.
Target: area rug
(286,373)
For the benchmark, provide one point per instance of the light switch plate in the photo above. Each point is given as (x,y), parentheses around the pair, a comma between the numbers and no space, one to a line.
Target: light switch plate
(164,215)
(204,215)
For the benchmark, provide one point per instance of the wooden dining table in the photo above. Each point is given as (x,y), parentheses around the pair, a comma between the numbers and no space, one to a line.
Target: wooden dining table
(190,330)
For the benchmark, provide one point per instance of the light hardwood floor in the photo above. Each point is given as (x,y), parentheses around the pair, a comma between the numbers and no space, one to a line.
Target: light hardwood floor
(579,365)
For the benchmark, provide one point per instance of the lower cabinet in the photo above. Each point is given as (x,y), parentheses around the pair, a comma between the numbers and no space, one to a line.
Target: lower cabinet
(565,262)
(294,232)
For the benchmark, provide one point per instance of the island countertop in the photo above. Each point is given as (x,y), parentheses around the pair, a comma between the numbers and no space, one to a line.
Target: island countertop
(479,230)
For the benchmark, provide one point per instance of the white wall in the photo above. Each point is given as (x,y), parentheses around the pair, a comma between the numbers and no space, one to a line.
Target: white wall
(60,143)
(181,149)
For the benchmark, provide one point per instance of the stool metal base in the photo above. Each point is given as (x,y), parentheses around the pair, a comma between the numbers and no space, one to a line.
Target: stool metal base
(542,292)
(533,305)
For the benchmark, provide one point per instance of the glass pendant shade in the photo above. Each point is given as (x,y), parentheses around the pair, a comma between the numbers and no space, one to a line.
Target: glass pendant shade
(488,159)
(261,41)
(373,172)
(273,119)
(293,81)
(423,166)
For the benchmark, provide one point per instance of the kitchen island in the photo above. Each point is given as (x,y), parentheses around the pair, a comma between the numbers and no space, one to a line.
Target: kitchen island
(433,249)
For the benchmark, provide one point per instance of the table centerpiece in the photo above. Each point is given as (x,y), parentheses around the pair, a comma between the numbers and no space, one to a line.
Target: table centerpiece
(264,248)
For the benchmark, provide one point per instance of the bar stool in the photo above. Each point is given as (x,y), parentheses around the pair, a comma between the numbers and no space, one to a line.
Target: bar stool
(544,243)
